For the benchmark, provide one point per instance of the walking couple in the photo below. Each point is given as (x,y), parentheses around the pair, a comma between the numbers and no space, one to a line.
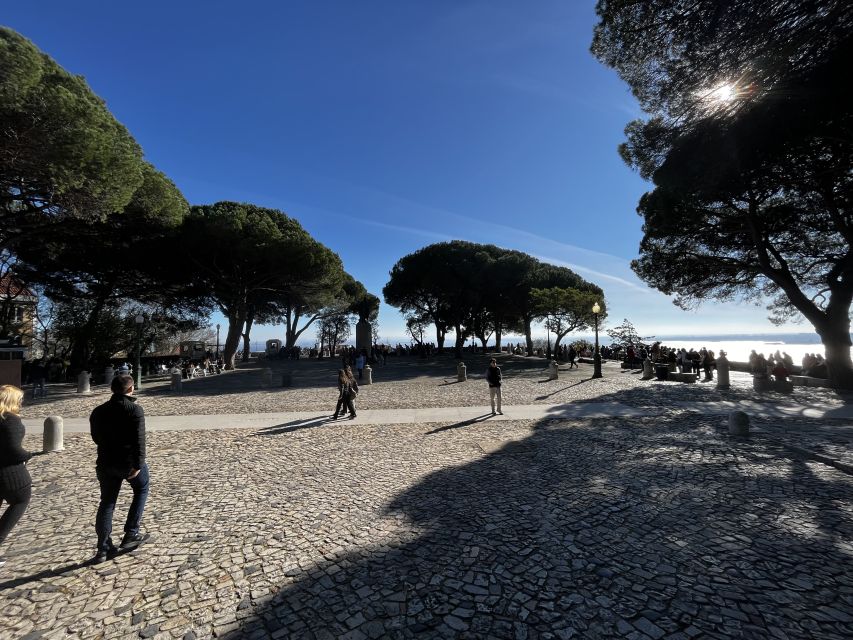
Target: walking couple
(118,428)
(347,392)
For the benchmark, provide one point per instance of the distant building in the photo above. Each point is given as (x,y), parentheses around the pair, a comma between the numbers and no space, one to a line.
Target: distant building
(17,319)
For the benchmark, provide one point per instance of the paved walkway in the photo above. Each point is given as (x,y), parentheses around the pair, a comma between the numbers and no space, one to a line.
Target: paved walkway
(451,414)
(631,527)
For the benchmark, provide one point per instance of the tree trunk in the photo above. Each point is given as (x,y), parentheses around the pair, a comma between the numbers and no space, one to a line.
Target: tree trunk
(835,336)
(459,343)
(289,325)
(497,338)
(232,338)
(439,338)
(528,335)
(250,319)
(81,354)
(558,337)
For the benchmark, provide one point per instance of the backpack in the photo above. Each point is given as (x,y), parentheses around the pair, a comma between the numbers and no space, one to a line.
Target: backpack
(347,390)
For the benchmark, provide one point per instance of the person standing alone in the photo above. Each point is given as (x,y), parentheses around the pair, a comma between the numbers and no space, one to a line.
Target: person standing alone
(15,481)
(493,377)
(118,428)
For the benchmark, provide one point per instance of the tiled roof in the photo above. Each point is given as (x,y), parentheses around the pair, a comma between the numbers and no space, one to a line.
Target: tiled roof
(11,287)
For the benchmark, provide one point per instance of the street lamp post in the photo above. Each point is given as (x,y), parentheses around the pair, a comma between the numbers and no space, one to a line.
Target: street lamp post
(596,371)
(137,370)
(217,342)
(548,349)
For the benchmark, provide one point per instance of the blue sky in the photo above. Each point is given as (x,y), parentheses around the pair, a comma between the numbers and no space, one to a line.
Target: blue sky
(386,126)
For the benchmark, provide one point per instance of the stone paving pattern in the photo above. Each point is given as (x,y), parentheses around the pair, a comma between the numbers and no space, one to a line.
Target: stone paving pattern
(661,527)
(407,383)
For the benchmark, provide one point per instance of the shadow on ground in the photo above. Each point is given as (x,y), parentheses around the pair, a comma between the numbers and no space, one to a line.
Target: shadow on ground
(594,529)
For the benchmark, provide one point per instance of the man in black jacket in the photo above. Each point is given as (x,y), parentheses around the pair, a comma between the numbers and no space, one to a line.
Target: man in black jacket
(118,428)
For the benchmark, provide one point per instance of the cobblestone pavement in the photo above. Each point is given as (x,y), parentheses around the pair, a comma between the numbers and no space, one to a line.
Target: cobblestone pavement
(411,383)
(644,528)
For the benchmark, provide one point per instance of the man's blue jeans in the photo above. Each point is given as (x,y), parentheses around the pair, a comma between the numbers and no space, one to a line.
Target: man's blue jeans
(110,481)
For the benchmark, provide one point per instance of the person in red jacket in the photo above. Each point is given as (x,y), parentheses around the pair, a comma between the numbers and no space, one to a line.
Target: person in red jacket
(118,428)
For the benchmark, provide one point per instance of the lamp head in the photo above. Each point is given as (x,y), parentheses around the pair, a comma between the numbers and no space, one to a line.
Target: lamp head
(596,309)
(139,319)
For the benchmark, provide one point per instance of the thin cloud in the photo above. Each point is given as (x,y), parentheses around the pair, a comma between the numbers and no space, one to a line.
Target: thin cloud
(489,225)
(598,274)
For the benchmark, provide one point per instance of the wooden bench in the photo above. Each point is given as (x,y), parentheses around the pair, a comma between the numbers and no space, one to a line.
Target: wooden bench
(808,381)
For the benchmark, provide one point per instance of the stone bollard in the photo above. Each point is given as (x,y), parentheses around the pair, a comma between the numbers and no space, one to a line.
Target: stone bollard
(287,379)
(461,372)
(84,382)
(52,438)
(109,374)
(176,382)
(738,423)
(553,370)
(648,369)
(267,377)
(368,374)
(722,372)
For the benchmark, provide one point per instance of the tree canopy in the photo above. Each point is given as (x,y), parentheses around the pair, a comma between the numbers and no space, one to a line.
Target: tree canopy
(474,289)
(248,256)
(749,149)
(567,309)
(62,153)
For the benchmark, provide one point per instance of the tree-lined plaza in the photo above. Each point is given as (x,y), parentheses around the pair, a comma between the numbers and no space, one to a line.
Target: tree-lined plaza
(617,497)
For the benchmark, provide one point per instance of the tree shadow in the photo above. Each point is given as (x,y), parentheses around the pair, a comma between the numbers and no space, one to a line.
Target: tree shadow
(295,425)
(312,373)
(458,425)
(590,529)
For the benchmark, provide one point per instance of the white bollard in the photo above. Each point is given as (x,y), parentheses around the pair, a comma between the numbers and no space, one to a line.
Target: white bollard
(52,438)
(84,382)
(176,382)
(722,372)
(553,370)
(648,369)
(461,372)
(368,374)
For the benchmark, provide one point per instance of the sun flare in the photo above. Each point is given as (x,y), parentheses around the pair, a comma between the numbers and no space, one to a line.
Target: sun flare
(725,92)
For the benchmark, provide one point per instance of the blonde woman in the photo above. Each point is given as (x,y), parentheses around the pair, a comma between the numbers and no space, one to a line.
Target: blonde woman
(15,481)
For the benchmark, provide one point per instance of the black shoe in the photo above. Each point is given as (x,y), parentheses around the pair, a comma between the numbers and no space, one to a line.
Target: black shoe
(132,541)
(334,417)
(352,416)
(105,554)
